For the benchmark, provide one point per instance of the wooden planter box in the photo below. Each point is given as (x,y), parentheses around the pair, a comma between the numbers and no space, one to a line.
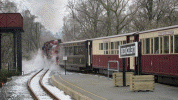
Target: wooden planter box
(142,83)
(118,78)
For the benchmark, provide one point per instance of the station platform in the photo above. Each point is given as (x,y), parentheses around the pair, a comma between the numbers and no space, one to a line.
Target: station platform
(101,88)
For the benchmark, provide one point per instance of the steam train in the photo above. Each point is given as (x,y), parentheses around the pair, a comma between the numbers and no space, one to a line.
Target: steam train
(51,49)
(159,49)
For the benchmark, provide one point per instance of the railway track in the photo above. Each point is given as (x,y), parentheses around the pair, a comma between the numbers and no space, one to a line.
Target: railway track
(37,88)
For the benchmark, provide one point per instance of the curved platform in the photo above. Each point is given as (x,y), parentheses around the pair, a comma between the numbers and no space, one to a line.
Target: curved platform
(101,88)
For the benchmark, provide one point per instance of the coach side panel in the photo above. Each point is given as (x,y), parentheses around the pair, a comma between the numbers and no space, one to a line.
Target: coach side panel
(105,50)
(160,52)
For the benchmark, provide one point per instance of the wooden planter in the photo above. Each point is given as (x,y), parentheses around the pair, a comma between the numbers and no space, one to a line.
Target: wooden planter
(118,78)
(142,83)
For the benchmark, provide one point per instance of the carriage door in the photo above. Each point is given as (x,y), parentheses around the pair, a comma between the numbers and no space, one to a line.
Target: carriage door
(132,60)
(89,53)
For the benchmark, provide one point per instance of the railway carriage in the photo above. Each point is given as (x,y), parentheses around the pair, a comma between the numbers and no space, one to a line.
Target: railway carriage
(106,49)
(78,55)
(160,53)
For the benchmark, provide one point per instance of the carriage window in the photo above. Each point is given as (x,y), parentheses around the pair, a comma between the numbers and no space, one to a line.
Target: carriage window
(160,45)
(76,50)
(112,51)
(106,52)
(124,42)
(156,45)
(143,46)
(106,46)
(176,43)
(101,46)
(171,44)
(70,51)
(109,45)
(81,50)
(112,45)
(148,46)
(117,44)
(121,43)
(166,44)
(151,45)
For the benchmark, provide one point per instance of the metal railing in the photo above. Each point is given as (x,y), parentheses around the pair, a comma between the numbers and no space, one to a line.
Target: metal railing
(113,69)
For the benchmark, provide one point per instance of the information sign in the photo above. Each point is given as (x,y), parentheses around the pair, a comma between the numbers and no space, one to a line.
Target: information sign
(64,57)
(128,50)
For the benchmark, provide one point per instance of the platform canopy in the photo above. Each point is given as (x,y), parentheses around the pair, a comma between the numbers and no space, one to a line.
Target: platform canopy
(10,22)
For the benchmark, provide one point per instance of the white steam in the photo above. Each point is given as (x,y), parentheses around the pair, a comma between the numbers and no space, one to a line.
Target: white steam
(50,12)
(38,62)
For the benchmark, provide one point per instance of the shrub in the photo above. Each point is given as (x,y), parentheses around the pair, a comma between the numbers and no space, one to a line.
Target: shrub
(4,74)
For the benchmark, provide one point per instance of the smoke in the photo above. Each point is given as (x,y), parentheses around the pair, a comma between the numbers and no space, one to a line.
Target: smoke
(38,62)
(50,12)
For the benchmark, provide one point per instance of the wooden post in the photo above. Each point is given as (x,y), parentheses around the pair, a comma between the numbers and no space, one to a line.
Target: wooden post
(65,59)
(136,39)
(124,82)
(139,58)
(65,67)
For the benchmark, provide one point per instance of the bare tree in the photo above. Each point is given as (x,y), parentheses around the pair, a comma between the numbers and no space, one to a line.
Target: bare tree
(91,12)
(96,18)
(84,19)
(155,13)
(31,36)
(67,30)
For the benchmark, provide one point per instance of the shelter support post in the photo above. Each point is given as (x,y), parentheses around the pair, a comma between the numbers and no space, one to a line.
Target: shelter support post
(19,51)
(14,63)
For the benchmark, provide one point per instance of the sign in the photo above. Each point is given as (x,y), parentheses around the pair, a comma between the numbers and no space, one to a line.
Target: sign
(106,40)
(128,50)
(165,33)
(64,57)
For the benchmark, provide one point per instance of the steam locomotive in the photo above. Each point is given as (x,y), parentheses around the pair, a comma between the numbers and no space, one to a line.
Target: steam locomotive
(51,50)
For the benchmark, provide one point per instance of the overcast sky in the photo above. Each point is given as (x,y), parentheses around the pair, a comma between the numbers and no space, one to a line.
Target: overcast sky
(50,12)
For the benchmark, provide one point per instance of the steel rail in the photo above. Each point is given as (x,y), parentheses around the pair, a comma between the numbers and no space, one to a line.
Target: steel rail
(29,87)
(45,89)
